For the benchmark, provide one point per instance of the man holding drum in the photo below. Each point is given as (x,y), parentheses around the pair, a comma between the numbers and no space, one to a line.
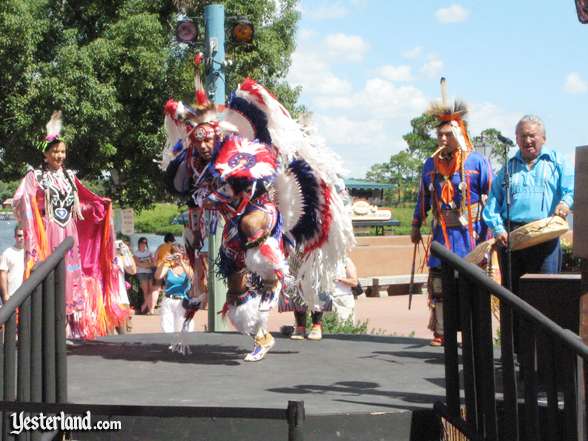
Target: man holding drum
(541,185)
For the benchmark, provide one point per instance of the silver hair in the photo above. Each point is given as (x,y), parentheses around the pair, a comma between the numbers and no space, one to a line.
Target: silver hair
(534,119)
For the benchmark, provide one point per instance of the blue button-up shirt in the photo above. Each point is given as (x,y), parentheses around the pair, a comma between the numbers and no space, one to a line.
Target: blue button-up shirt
(535,192)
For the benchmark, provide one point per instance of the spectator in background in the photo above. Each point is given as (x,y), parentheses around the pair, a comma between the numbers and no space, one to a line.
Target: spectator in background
(176,274)
(124,263)
(341,301)
(12,266)
(164,249)
(145,264)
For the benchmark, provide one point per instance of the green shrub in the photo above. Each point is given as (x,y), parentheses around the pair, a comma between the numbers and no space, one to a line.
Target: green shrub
(331,324)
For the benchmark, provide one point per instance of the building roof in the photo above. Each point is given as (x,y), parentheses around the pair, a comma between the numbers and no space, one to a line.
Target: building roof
(362,184)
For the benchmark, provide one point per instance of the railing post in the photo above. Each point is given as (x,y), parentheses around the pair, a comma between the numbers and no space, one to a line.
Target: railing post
(60,323)
(24,351)
(450,322)
(9,369)
(527,350)
(49,363)
(37,344)
(487,382)
(296,418)
(37,349)
(511,424)
(470,374)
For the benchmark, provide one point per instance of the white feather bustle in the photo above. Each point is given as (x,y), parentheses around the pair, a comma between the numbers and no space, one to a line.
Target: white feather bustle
(318,269)
(289,199)
(247,318)
(298,140)
(284,131)
(264,266)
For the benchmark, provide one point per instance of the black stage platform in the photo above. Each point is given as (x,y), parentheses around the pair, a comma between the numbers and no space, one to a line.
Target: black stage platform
(353,387)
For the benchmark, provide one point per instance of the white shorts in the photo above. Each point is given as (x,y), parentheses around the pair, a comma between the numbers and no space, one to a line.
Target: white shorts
(172,315)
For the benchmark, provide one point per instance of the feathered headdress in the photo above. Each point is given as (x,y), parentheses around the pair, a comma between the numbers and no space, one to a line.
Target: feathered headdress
(54,127)
(198,121)
(454,114)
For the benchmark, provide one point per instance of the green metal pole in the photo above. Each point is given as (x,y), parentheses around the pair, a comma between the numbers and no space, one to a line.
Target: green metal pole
(214,24)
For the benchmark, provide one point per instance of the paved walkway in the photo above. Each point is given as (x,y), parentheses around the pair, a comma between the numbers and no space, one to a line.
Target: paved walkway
(385,316)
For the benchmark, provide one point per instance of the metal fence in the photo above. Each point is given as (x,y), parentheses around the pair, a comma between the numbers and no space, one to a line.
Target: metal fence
(525,406)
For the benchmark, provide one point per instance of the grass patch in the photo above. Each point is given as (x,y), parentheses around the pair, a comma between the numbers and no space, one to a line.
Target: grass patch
(158,220)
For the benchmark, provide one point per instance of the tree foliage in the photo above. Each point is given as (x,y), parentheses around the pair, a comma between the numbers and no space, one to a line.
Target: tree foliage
(110,65)
(498,144)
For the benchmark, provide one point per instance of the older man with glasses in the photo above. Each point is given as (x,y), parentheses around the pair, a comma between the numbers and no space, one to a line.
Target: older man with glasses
(12,266)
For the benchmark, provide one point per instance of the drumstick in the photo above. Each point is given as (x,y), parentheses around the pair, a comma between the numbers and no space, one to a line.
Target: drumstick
(410,286)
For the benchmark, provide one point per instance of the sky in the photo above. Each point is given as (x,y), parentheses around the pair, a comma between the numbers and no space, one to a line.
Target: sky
(367,67)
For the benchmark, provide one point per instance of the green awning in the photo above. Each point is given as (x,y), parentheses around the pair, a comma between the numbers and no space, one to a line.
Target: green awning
(362,184)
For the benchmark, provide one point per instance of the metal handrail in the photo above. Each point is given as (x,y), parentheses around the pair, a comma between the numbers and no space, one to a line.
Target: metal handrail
(479,277)
(37,276)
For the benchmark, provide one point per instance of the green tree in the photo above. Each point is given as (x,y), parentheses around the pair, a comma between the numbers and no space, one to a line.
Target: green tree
(403,169)
(493,138)
(421,144)
(405,172)
(110,66)
(7,189)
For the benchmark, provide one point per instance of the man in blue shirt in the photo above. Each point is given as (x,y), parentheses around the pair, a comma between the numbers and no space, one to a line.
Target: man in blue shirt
(541,185)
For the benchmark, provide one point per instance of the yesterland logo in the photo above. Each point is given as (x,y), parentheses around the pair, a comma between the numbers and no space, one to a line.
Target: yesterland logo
(21,422)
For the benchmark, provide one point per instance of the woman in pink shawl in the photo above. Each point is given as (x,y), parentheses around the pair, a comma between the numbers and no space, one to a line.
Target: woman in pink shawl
(52,204)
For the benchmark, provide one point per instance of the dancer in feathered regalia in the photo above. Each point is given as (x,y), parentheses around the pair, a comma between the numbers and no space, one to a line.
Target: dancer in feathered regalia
(454,184)
(275,185)
(52,204)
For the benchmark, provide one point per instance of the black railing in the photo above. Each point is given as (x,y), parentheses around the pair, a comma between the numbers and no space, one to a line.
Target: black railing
(527,406)
(33,361)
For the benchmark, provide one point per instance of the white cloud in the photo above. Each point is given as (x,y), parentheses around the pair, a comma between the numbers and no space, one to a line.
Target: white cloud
(360,143)
(433,66)
(575,84)
(413,53)
(311,72)
(385,100)
(395,73)
(344,47)
(452,14)
(327,11)
(488,115)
